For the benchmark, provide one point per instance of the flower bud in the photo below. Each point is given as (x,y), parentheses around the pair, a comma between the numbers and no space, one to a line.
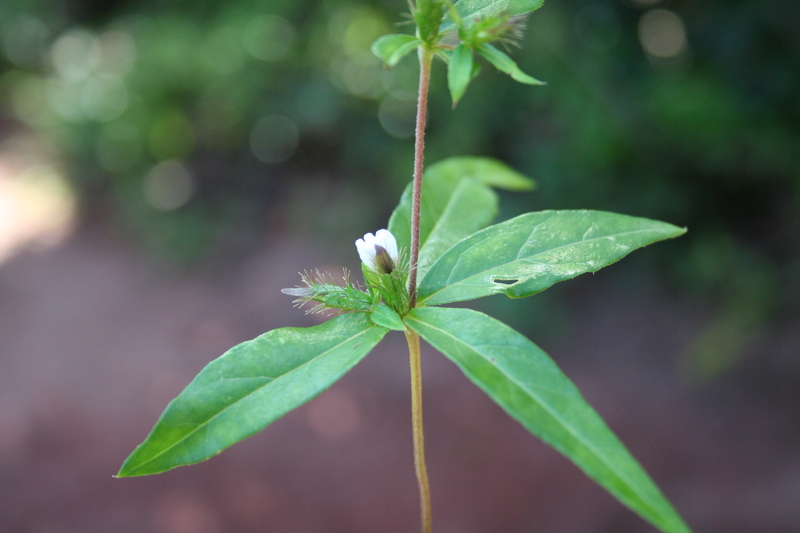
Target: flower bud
(378,252)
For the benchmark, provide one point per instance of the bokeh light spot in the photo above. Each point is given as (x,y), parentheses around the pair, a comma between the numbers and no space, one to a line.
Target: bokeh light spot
(274,139)
(75,54)
(268,37)
(223,51)
(361,32)
(662,33)
(118,52)
(64,97)
(168,186)
(361,79)
(37,206)
(104,97)
(398,117)
(26,42)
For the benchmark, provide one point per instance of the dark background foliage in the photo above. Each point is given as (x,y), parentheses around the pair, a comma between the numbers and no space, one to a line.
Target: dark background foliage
(207,150)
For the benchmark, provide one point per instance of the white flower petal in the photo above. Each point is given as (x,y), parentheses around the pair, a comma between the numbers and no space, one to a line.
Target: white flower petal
(389,243)
(366,251)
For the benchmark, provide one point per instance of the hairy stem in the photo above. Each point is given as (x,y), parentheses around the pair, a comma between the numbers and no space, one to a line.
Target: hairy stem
(419,437)
(425,58)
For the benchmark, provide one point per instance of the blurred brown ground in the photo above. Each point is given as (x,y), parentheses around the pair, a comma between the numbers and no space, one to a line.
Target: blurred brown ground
(95,339)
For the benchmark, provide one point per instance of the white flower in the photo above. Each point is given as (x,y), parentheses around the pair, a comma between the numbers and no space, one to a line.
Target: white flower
(379,251)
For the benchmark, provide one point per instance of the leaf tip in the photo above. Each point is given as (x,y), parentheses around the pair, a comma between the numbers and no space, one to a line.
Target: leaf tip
(123,473)
(127,469)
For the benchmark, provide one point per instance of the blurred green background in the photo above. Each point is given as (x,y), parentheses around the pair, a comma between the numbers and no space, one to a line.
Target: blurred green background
(191,129)
(189,124)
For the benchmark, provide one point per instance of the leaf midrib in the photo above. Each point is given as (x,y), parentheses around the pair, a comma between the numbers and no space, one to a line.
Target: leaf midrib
(451,283)
(304,367)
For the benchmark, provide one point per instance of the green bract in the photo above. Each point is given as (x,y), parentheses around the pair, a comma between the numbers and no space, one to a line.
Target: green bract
(428,17)
(460,259)
(385,316)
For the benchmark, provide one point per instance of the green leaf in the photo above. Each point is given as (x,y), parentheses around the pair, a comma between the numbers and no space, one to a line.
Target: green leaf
(392,48)
(529,386)
(529,253)
(385,316)
(456,202)
(485,170)
(428,15)
(503,63)
(250,386)
(459,72)
(469,10)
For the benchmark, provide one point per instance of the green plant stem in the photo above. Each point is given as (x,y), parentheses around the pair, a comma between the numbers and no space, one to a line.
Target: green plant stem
(425,59)
(419,438)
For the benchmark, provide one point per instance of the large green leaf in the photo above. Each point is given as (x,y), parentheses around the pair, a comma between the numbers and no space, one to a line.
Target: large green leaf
(525,382)
(250,386)
(456,202)
(529,253)
(469,10)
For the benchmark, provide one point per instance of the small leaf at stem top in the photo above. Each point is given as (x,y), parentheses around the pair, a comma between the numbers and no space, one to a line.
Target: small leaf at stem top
(459,72)
(503,63)
(456,201)
(485,170)
(392,48)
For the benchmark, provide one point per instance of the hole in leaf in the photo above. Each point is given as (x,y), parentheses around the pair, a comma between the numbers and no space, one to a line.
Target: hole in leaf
(506,281)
